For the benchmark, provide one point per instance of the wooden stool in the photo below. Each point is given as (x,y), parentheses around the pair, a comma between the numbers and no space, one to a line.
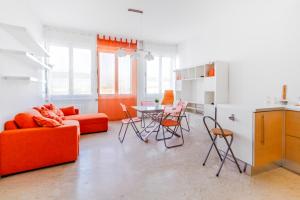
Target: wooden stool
(224,133)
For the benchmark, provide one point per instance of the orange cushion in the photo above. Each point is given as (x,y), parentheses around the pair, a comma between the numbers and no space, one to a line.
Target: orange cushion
(48,106)
(46,122)
(50,114)
(70,110)
(39,108)
(25,120)
(10,125)
(56,110)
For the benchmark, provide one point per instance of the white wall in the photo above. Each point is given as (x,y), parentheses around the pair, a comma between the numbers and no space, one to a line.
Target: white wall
(17,96)
(260,40)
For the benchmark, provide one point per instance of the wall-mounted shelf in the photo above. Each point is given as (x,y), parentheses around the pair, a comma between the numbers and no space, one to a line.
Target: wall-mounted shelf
(26,57)
(20,78)
(22,35)
(203,86)
(191,73)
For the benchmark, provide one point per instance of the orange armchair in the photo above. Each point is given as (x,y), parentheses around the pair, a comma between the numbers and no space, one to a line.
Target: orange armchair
(168,98)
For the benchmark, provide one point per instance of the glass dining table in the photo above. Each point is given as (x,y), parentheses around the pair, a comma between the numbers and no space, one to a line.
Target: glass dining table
(154,113)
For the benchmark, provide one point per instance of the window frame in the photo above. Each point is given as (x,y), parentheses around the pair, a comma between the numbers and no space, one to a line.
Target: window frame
(71,95)
(173,62)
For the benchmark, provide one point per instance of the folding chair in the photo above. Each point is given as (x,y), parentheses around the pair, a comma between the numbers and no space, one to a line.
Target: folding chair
(183,114)
(222,133)
(128,120)
(166,124)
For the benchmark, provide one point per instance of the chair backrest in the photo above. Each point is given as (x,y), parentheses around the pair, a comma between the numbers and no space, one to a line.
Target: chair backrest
(183,103)
(147,103)
(169,110)
(125,110)
(168,98)
(215,124)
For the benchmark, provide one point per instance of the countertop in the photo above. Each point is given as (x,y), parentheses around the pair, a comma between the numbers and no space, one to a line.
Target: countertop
(263,107)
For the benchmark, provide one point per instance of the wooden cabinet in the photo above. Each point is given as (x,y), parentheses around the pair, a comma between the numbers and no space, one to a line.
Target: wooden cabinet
(268,137)
(292,136)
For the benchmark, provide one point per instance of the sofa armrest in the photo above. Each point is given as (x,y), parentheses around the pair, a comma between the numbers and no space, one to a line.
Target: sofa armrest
(26,149)
(77,111)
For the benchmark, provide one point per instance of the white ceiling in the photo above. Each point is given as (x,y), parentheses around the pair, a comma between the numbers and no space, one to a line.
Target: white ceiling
(168,21)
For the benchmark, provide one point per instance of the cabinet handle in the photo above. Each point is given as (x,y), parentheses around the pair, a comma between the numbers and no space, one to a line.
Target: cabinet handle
(262,139)
(232,117)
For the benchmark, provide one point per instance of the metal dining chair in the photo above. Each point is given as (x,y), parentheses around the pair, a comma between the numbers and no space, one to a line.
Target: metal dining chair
(183,115)
(222,133)
(171,125)
(128,120)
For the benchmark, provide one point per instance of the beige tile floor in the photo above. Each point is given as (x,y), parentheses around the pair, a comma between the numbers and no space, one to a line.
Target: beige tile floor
(108,170)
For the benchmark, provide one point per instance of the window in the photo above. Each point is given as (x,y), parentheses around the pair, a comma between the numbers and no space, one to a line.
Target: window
(60,74)
(166,74)
(124,75)
(159,75)
(115,74)
(72,71)
(82,71)
(107,73)
(152,76)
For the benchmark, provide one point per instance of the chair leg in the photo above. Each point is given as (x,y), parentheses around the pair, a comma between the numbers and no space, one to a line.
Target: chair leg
(136,131)
(120,132)
(232,154)
(142,121)
(221,166)
(211,146)
(187,124)
(121,140)
(172,131)
(178,145)
(160,139)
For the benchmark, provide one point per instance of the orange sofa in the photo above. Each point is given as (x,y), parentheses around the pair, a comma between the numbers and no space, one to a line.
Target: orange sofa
(33,148)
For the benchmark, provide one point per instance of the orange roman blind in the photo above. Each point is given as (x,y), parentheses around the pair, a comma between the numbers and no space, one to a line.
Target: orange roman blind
(117,76)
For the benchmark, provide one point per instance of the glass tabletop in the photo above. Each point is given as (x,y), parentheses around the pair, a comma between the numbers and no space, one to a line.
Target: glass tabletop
(158,108)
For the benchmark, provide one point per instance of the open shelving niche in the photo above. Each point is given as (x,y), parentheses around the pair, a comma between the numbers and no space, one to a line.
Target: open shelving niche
(22,35)
(202,91)
(25,57)
(34,55)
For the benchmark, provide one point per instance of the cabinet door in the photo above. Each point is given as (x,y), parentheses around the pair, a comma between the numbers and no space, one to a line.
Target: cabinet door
(292,136)
(292,125)
(268,137)
(292,149)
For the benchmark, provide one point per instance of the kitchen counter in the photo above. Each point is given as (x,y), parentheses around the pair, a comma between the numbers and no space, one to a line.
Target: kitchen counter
(262,108)
(263,133)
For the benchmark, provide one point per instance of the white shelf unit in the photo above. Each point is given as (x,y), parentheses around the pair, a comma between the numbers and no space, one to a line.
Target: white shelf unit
(20,78)
(201,90)
(22,35)
(26,57)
